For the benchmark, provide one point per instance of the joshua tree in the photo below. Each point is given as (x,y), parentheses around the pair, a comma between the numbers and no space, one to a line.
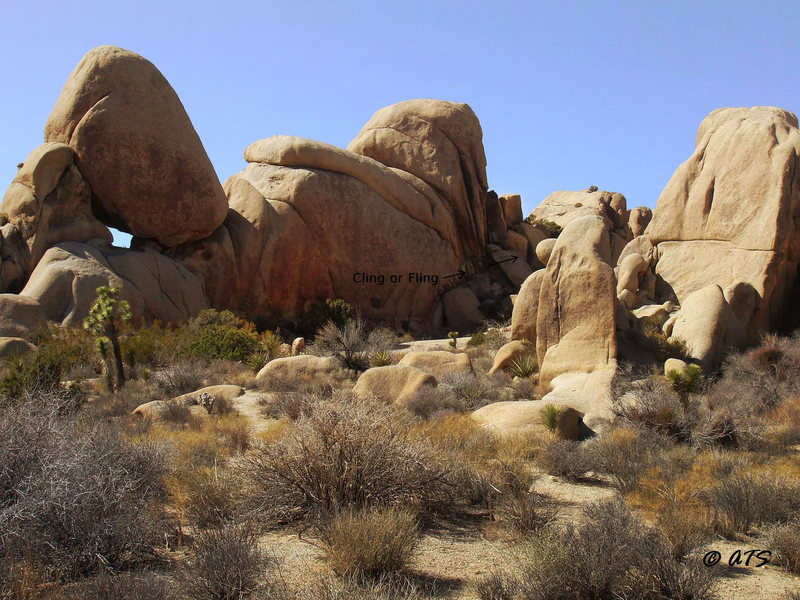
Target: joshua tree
(105,319)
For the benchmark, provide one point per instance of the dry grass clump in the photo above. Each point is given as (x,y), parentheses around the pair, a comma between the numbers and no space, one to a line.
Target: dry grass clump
(565,458)
(747,499)
(371,542)
(182,377)
(784,541)
(227,564)
(393,587)
(130,586)
(624,454)
(429,402)
(348,453)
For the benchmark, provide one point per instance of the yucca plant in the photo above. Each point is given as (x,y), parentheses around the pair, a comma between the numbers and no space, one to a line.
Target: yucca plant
(381,358)
(523,366)
(551,414)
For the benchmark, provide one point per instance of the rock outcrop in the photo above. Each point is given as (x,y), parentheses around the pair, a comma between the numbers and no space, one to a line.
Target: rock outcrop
(575,325)
(730,214)
(137,148)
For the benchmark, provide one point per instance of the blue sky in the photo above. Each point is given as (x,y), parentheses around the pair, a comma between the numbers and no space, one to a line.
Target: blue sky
(569,94)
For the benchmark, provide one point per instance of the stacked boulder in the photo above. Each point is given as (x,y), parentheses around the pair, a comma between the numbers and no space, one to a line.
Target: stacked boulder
(723,243)
(304,221)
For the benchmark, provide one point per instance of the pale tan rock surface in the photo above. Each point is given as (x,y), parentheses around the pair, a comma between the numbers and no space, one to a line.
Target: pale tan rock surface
(514,265)
(137,148)
(441,144)
(639,219)
(544,249)
(225,392)
(461,309)
(674,364)
(708,325)
(575,328)
(438,362)
(67,277)
(11,346)
(588,393)
(524,417)
(49,202)
(20,316)
(534,236)
(299,369)
(393,384)
(631,270)
(730,212)
(526,308)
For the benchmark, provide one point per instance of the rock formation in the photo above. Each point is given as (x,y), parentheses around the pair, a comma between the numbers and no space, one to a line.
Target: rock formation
(726,227)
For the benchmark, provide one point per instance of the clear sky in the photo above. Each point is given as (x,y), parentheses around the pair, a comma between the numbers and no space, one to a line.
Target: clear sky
(569,94)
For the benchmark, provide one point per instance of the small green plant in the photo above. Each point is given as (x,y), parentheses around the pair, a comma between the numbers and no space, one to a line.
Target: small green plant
(453,335)
(106,318)
(553,229)
(321,312)
(381,358)
(688,381)
(551,414)
(478,339)
(523,366)
(660,345)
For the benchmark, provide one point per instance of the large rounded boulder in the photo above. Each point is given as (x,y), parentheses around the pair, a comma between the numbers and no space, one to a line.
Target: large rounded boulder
(135,144)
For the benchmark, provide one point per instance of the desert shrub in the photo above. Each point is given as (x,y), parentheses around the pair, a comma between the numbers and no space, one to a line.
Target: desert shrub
(321,312)
(154,345)
(477,339)
(551,415)
(370,542)
(784,541)
(211,496)
(76,499)
(347,453)
(526,512)
(227,564)
(652,403)
(130,586)
(743,500)
(224,343)
(186,375)
(565,458)
(624,454)
(291,405)
(609,554)
(429,402)
(326,586)
(348,343)
(472,391)
(553,229)
(39,371)
(659,344)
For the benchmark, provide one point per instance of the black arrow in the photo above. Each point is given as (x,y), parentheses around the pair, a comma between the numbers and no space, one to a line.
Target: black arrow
(460,274)
(512,259)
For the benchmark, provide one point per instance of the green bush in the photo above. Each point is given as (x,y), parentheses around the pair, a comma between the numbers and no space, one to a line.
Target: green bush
(321,312)
(39,371)
(659,344)
(477,339)
(216,342)
(553,229)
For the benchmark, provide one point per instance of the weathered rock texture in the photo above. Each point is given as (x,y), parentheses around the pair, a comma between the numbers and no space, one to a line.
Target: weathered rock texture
(730,214)
(136,146)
